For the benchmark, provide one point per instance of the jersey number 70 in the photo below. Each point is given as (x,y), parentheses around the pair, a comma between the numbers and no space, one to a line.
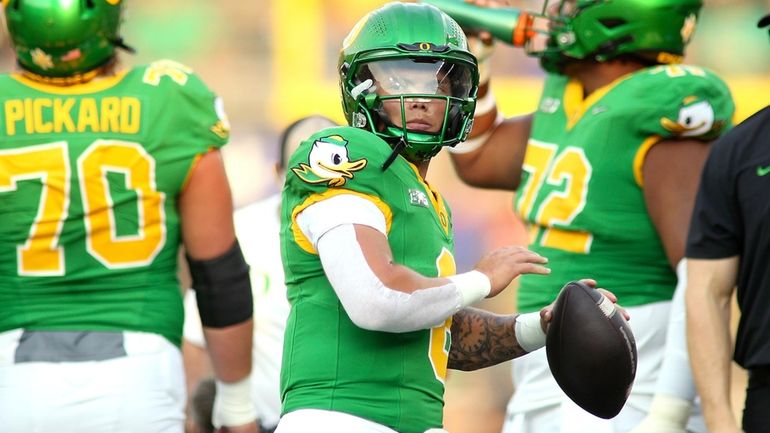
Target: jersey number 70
(42,254)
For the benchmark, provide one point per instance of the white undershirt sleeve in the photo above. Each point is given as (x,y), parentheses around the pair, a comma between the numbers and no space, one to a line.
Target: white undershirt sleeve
(320,217)
(367,301)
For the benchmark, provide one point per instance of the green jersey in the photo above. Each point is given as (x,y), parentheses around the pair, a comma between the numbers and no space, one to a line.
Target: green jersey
(582,192)
(89,179)
(328,362)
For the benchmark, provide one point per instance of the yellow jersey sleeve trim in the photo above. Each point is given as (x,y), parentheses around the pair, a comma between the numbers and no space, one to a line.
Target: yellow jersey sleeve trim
(640,156)
(300,237)
(193,166)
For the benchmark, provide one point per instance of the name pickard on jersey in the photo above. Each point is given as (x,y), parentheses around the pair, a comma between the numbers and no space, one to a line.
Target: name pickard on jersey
(89,177)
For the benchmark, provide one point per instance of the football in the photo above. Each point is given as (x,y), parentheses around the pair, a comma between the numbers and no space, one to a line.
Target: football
(591,350)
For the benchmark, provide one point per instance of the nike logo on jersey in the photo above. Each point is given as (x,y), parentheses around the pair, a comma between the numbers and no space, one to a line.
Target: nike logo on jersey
(762,171)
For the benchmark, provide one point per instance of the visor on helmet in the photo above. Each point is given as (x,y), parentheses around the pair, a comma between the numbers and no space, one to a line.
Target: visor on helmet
(417,77)
(417,95)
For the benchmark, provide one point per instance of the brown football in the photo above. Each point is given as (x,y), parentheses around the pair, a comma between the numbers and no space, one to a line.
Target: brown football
(591,350)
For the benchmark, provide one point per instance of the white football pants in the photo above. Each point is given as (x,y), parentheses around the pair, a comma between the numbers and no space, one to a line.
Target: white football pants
(327,421)
(142,392)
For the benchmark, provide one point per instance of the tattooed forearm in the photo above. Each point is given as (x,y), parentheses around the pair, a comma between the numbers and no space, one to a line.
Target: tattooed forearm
(482,339)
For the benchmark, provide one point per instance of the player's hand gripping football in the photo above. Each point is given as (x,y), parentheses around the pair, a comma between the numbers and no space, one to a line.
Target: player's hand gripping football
(546,314)
(502,265)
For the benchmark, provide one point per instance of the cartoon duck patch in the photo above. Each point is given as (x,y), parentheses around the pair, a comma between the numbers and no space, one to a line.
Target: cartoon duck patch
(328,163)
(696,118)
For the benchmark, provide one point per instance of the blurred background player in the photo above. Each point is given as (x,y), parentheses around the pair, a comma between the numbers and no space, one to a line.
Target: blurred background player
(103,173)
(257,226)
(605,173)
(727,252)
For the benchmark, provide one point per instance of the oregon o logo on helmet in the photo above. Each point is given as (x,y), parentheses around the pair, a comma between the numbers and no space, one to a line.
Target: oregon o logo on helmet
(425,46)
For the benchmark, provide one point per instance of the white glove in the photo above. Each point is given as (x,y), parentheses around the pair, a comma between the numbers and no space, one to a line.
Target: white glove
(667,414)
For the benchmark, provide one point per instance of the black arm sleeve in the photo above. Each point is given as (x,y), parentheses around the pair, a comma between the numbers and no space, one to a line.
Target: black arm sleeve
(222,288)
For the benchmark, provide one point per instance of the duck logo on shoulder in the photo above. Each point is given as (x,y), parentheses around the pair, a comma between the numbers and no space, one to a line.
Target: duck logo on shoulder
(696,118)
(328,163)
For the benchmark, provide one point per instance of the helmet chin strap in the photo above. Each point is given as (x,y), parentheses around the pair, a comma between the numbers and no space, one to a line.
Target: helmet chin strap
(400,145)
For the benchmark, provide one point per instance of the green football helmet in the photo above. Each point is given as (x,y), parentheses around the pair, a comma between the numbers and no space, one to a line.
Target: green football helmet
(64,38)
(407,76)
(653,31)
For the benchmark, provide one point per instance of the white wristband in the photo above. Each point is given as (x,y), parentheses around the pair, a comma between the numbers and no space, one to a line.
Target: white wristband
(473,286)
(529,333)
(233,405)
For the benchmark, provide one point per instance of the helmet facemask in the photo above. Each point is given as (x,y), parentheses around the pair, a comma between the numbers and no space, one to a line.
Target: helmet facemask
(422,102)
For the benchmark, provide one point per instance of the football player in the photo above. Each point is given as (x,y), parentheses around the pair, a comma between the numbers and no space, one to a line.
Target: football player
(605,172)
(103,173)
(378,313)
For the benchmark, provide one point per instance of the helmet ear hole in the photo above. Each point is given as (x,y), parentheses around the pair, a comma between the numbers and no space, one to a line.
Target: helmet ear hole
(90,4)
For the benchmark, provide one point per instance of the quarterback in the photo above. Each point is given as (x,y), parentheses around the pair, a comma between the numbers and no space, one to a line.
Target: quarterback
(103,173)
(378,313)
(605,173)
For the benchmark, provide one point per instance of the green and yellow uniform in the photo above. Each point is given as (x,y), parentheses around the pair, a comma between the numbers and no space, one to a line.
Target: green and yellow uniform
(582,191)
(329,363)
(89,180)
